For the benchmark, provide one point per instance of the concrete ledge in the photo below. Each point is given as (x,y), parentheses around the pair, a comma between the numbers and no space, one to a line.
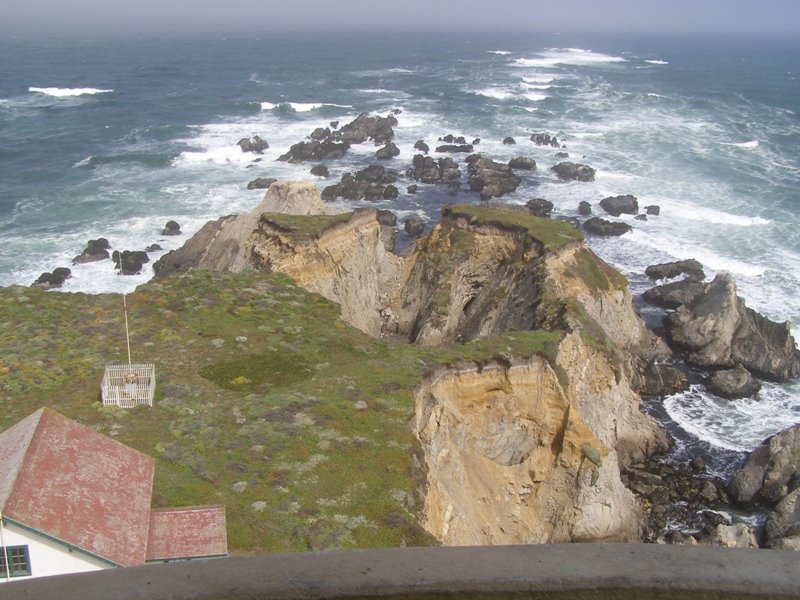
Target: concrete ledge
(547,571)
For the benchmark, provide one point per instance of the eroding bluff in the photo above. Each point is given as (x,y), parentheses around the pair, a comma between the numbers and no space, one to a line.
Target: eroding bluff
(523,449)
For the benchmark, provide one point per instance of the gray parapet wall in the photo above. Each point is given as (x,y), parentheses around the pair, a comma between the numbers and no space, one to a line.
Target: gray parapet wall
(578,571)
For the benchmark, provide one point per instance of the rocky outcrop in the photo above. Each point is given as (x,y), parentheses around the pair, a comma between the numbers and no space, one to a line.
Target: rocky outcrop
(617,205)
(390,150)
(261,183)
(782,529)
(522,163)
(662,380)
(540,207)
(171,228)
(315,151)
(691,268)
(570,171)
(509,141)
(367,127)
(771,471)
(733,383)
(95,250)
(320,171)
(455,148)
(254,144)
(414,226)
(491,179)
(510,459)
(130,262)
(428,170)
(675,294)
(48,281)
(717,330)
(421,146)
(604,228)
(371,183)
(545,139)
(584,208)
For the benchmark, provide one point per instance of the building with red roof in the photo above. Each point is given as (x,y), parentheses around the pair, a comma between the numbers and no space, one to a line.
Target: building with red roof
(73,499)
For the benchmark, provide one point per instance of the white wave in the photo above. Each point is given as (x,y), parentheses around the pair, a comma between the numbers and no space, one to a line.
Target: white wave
(500,52)
(67,92)
(717,217)
(496,93)
(539,79)
(84,163)
(738,425)
(302,106)
(654,95)
(534,97)
(751,145)
(555,57)
(657,62)
(400,71)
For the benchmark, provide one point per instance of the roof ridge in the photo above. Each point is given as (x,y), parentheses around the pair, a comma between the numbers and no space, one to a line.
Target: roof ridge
(12,488)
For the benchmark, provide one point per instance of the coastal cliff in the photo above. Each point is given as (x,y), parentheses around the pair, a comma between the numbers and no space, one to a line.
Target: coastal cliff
(520,449)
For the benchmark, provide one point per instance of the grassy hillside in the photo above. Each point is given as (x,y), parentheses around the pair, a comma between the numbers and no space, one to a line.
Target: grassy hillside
(265,402)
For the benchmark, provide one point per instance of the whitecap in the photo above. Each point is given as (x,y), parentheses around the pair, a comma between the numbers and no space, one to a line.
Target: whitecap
(67,92)
(495,93)
(717,217)
(657,62)
(302,106)
(654,95)
(500,52)
(751,145)
(554,57)
(539,79)
(400,71)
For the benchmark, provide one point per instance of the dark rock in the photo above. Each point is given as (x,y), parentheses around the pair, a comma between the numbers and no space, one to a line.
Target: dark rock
(673,295)
(690,267)
(56,279)
(562,154)
(412,189)
(171,228)
(414,226)
(544,139)
(540,207)
(153,248)
(641,217)
(584,208)
(453,148)
(697,464)
(770,472)
(733,383)
(371,183)
(522,163)
(491,179)
(255,145)
(451,139)
(782,529)
(190,255)
(421,146)
(717,330)
(320,134)
(509,141)
(390,150)
(320,171)
(95,250)
(662,380)
(387,217)
(366,127)
(129,262)
(601,227)
(261,183)
(653,210)
(428,170)
(315,151)
(569,171)
(476,141)
(334,124)
(617,205)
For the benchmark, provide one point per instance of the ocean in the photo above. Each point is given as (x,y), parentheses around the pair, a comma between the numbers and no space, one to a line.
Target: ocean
(113,137)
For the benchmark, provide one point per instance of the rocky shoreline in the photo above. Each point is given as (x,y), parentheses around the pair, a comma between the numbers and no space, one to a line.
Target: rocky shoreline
(476,274)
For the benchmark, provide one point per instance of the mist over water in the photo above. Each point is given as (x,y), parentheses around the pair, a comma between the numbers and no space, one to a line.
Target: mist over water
(112,139)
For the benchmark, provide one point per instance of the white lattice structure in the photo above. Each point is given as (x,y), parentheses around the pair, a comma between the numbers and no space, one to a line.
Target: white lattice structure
(129,385)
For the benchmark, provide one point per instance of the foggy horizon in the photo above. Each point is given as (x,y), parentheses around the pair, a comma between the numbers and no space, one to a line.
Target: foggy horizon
(167,17)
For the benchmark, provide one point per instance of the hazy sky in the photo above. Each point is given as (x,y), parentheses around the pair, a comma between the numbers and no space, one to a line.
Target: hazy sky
(438,15)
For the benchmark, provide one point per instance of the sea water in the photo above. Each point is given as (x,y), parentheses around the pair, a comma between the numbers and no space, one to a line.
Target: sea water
(112,138)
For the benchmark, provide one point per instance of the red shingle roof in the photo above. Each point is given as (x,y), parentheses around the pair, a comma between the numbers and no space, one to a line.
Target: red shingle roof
(187,532)
(74,484)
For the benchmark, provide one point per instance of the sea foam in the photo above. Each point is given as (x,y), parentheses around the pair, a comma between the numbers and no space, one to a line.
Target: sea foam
(555,57)
(67,92)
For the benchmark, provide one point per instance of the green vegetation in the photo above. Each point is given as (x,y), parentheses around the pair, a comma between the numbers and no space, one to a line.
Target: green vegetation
(551,234)
(305,225)
(598,276)
(265,402)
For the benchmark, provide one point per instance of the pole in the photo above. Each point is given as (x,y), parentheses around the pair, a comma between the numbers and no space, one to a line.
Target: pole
(127,334)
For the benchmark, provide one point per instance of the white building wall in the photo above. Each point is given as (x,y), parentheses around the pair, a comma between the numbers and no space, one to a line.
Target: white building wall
(47,556)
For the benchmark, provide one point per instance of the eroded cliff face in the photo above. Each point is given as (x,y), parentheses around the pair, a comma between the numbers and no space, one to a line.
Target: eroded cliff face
(510,459)
(345,262)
